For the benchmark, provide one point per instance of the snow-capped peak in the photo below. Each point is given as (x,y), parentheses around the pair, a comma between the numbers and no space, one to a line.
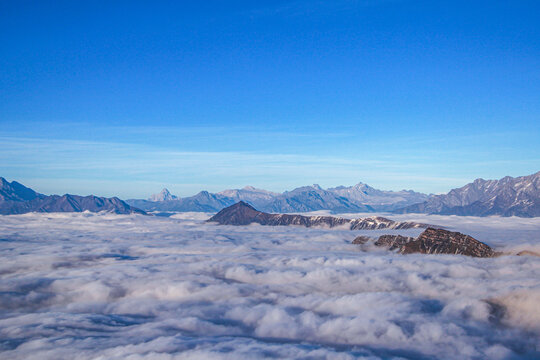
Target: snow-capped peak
(164,195)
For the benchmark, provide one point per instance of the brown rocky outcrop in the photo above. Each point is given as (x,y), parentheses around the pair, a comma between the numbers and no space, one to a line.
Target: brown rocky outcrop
(435,241)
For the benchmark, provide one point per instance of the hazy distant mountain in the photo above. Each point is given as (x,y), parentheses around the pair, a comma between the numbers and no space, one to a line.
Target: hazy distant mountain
(256,197)
(205,201)
(68,203)
(242,213)
(16,198)
(379,200)
(202,202)
(358,198)
(312,198)
(508,196)
(164,195)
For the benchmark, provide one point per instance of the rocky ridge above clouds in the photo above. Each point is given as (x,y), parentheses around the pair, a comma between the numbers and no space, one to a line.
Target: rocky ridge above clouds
(242,213)
(432,241)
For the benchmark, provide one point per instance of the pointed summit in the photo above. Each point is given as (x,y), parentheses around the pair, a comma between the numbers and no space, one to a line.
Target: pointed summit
(164,195)
(240,213)
(15,191)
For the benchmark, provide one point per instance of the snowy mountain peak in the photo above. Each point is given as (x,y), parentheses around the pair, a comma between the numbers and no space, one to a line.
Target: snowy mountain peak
(358,198)
(164,195)
(507,196)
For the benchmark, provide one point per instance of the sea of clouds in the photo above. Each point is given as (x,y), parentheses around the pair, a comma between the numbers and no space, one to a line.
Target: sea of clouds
(102,286)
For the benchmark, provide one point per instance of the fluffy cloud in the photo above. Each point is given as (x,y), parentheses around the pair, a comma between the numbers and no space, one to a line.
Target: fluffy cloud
(94,286)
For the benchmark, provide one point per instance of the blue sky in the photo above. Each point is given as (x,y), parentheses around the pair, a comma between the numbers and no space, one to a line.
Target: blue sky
(126,97)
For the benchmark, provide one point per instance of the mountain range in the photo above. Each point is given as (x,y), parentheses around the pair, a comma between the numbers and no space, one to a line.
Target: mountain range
(16,198)
(508,196)
(357,198)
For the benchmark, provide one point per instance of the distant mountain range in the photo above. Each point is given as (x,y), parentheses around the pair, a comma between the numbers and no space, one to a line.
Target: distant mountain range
(358,198)
(242,213)
(16,198)
(202,202)
(508,196)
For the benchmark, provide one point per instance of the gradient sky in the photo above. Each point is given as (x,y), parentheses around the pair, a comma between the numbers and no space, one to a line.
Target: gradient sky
(126,97)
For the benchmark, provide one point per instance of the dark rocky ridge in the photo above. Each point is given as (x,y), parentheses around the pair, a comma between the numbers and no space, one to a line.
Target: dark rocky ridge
(242,213)
(393,242)
(433,241)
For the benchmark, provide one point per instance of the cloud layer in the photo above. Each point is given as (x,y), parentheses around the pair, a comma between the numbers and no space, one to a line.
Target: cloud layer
(90,286)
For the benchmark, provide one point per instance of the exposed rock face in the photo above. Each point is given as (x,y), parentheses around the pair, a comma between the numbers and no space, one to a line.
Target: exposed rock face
(360,240)
(436,241)
(242,213)
(508,196)
(393,242)
(439,241)
(18,199)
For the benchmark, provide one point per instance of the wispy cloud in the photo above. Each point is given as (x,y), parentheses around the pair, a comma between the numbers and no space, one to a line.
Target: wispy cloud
(123,162)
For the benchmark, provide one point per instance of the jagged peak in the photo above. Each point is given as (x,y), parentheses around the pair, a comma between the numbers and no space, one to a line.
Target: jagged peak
(241,204)
(163,195)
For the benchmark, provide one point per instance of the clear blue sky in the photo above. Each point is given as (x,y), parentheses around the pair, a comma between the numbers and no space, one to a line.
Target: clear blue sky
(126,97)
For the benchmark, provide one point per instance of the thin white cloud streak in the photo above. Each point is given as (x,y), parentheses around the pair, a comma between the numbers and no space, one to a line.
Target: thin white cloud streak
(89,286)
(70,160)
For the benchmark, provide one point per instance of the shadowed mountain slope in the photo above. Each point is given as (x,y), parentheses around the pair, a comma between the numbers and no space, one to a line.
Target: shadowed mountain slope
(18,199)
(508,196)
(14,191)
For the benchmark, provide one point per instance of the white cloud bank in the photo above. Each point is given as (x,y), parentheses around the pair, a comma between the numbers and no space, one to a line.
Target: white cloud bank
(87,286)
